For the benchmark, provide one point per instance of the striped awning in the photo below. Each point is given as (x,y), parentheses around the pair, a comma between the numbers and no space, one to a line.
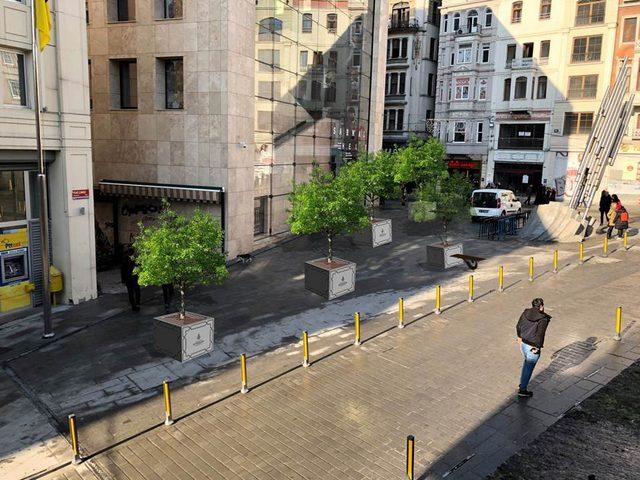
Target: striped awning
(183,193)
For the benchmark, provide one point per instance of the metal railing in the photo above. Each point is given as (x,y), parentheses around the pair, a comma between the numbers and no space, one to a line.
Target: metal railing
(522,143)
(497,228)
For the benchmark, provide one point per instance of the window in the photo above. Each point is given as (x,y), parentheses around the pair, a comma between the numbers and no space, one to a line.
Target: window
(545,9)
(578,123)
(456,22)
(268,58)
(173,9)
(479,132)
(330,93)
(506,92)
(332,22)
(511,53)
(472,21)
(542,88)
(521,88)
(484,54)
(333,60)
(545,46)
(590,11)
(482,89)
(304,60)
(432,48)
(395,83)
(124,84)
(259,215)
(459,132)
(355,59)
(586,49)
(445,23)
(583,86)
(516,12)
(527,50)
(12,74)
(400,15)
(122,10)
(488,17)
(464,53)
(452,60)
(521,136)
(430,85)
(270,29)
(356,28)
(173,84)
(397,48)
(13,206)
(316,90)
(307,23)
(461,89)
(393,119)
(629,29)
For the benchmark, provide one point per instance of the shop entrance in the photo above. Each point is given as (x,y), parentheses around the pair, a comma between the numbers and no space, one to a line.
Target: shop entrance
(518,176)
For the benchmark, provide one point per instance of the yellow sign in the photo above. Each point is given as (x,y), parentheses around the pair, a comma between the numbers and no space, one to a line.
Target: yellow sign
(14,239)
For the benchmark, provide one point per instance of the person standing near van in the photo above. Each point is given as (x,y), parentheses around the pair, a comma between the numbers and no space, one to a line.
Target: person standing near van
(531,330)
(616,204)
(605,205)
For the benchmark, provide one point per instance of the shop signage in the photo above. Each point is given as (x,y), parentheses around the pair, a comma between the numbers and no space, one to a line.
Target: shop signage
(463,164)
(12,239)
(80,194)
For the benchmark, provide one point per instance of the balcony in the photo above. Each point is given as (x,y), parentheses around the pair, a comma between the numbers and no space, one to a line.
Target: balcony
(522,64)
(520,143)
(465,30)
(403,25)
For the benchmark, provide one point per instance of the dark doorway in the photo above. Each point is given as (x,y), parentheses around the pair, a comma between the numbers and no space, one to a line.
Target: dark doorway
(511,176)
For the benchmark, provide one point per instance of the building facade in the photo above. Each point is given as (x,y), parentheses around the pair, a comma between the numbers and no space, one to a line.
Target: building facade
(551,63)
(226,105)
(66,129)
(410,81)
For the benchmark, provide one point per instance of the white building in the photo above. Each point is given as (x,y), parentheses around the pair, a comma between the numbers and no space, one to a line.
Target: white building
(66,131)
(412,54)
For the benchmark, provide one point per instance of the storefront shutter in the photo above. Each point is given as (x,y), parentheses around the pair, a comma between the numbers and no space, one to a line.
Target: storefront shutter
(35,259)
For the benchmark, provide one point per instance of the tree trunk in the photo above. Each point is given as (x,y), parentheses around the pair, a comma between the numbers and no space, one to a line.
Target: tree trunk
(330,255)
(182,310)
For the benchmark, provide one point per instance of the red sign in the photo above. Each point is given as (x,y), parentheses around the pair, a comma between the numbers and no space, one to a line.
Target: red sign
(80,194)
(464,164)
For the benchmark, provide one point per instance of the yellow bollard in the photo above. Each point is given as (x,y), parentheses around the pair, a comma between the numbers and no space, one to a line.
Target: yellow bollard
(356,321)
(531,269)
(581,253)
(438,311)
(305,348)
(168,411)
(470,289)
(410,456)
(243,373)
(555,261)
(618,323)
(626,240)
(73,433)
(605,247)
(401,312)
(501,279)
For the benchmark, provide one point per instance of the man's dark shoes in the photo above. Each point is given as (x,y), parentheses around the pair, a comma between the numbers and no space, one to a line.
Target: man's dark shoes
(525,393)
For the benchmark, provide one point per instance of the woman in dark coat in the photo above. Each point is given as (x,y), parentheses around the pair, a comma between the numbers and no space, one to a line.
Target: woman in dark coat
(605,205)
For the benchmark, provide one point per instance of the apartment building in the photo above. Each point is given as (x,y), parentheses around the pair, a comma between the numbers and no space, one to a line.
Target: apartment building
(225,105)
(410,83)
(550,64)
(64,104)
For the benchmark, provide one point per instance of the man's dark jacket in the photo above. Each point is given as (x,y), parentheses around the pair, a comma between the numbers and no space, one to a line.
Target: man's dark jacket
(532,326)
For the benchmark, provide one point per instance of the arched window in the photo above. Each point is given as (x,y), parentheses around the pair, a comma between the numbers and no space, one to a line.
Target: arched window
(456,22)
(521,88)
(488,17)
(270,29)
(445,23)
(472,21)
(400,15)
(516,12)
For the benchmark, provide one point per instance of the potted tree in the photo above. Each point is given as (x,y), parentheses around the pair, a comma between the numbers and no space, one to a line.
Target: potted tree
(444,199)
(331,206)
(183,252)
(375,173)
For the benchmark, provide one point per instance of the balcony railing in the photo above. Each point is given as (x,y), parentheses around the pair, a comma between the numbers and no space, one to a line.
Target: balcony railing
(468,30)
(403,24)
(520,143)
(522,63)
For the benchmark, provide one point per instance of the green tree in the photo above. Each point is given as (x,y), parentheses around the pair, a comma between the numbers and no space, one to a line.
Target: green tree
(329,205)
(375,173)
(419,162)
(180,251)
(444,199)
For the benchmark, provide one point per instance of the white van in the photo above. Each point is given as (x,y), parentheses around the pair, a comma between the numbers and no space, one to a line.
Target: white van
(493,202)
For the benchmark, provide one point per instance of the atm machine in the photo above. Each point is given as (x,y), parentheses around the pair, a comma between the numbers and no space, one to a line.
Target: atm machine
(15,284)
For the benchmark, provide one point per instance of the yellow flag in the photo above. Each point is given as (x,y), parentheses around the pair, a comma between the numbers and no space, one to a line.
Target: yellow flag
(43,22)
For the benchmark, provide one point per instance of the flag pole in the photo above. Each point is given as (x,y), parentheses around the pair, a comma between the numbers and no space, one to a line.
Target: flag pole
(42,187)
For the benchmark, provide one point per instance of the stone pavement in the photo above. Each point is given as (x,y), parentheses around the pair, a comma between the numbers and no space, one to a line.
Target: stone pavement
(449,380)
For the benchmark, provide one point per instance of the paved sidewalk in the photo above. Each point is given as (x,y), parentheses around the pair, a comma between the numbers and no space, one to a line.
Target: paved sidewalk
(448,380)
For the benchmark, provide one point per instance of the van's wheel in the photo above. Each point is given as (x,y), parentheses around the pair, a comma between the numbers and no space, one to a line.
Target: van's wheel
(519,210)
(504,213)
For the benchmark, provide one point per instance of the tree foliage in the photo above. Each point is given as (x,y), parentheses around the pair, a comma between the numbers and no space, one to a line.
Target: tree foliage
(181,251)
(329,205)
(419,162)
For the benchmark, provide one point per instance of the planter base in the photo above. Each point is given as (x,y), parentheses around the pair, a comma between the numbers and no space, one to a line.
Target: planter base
(330,280)
(183,339)
(381,232)
(439,255)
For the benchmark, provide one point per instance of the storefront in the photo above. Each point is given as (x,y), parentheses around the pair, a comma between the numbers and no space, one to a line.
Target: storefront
(469,168)
(517,176)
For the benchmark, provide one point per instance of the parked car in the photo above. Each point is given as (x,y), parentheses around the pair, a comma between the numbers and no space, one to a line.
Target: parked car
(493,202)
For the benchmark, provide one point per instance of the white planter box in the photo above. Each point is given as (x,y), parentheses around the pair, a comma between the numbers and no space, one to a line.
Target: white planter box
(381,232)
(439,255)
(183,339)
(330,280)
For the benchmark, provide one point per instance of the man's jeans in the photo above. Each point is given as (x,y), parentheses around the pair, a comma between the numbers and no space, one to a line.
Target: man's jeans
(530,360)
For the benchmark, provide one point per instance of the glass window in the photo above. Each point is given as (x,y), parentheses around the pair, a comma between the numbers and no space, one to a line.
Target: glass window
(590,11)
(583,86)
(332,22)
(587,49)
(400,15)
(482,89)
(461,89)
(542,88)
(629,29)
(479,132)
(516,12)
(486,49)
(12,196)
(355,59)
(307,22)
(506,93)
(578,123)
(464,53)
(270,29)
(304,60)
(511,53)
(545,46)
(460,132)
(527,50)
(172,9)
(472,21)
(445,23)
(12,78)
(128,83)
(545,9)
(488,17)
(521,88)
(456,22)
(173,74)
(125,10)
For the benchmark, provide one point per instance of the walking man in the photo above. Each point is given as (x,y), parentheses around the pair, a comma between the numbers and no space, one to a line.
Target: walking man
(605,205)
(531,329)
(130,279)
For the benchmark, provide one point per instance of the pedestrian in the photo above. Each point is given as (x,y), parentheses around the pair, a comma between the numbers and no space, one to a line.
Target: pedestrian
(529,194)
(531,330)
(613,212)
(167,295)
(622,220)
(130,278)
(605,205)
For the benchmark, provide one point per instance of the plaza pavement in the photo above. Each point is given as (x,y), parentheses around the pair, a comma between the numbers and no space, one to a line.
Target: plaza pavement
(449,380)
